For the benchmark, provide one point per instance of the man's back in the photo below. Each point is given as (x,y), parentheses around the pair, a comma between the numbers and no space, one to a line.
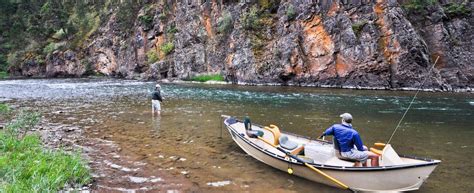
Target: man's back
(346,136)
(156,95)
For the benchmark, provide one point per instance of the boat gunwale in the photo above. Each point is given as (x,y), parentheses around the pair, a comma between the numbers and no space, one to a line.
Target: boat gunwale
(333,167)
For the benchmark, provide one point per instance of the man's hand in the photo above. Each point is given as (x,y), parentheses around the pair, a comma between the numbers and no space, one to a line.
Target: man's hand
(320,137)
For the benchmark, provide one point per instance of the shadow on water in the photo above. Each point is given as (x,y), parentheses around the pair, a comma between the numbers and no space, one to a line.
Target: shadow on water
(182,148)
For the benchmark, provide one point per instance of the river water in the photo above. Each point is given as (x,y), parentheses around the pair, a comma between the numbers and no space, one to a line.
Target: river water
(182,150)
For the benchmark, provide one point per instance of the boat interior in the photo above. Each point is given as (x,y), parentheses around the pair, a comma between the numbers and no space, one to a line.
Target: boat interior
(314,150)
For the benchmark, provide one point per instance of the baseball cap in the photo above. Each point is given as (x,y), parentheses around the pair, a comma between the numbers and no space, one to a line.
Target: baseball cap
(157,86)
(346,117)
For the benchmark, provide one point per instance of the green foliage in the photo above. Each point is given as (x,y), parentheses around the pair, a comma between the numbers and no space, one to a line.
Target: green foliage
(251,19)
(3,63)
(25,166)
(455,9)
(268,4)
(205,78)
(162,16)
(83,24)
(258,43)
(167,48)
(290,12)
(51,47)
(171,29)
(146,21)
(13,58)
(23,121)
(4,109)
(46,8)
(357,27)
(152,56)
(224,23)
(417,5)
(125,17)
(3,74)
(60,34)
(88,66)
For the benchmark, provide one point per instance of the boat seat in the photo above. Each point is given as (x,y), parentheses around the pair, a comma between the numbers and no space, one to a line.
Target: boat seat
(337,151)
(287,144)
(254,133)
(276,133)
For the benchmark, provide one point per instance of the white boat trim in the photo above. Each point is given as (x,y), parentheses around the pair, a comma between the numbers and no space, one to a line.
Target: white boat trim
(340,172)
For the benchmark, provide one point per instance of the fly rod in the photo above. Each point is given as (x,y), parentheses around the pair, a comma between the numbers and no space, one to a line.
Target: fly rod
(413,99)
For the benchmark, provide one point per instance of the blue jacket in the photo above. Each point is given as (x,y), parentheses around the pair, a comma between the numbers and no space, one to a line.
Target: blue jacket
(346,136)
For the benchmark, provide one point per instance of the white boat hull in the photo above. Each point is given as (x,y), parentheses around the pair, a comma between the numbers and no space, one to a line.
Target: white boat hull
(403,178)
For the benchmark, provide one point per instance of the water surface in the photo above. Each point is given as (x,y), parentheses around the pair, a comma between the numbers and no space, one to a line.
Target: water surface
(183,147)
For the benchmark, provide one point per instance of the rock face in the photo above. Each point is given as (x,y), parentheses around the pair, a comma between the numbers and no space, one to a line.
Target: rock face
(338,43)
(64,64)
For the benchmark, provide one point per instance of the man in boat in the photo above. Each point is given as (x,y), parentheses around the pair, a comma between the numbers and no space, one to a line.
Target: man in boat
(350,143)
(155,100)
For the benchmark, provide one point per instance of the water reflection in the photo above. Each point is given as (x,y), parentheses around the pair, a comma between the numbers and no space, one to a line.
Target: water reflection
(155,123)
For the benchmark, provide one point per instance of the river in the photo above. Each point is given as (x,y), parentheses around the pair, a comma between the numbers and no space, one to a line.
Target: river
(182,150)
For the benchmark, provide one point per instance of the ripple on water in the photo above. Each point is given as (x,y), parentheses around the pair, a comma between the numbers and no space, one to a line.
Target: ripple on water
(219,183)
(137,180)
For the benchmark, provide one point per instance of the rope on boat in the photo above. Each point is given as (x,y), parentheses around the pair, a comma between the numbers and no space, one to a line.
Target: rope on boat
(409,106)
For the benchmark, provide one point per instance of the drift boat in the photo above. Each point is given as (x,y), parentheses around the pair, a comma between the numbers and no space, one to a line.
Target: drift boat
(322,164)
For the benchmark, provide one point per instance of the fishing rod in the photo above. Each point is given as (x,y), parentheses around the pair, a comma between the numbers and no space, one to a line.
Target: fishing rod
(409,106)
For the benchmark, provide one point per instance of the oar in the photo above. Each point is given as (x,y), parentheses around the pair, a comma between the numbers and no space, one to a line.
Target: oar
(342,185)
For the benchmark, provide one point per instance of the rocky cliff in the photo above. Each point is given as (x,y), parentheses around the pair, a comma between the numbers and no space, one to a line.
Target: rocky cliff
(336,43)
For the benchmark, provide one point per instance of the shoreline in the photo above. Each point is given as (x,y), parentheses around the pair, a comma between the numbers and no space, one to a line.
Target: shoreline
(465,90)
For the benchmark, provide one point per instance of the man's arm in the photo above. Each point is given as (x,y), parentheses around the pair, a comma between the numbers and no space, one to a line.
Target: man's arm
(358,142)
(329,131)
(160,98)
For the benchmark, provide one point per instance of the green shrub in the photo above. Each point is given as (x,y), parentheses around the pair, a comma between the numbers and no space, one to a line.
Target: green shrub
(454,9)
(357,27)
(3,74)
(162,16)
(258,44)
(167,48)
(23,121)
(12,58)
(171,29)
(224,23)
(268,4)
(60,34)
(4,108)
(51,47)
(205,78)
(146,21)
(290,12)
(417,5)
(3,63)
(152,56)
(250,20)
